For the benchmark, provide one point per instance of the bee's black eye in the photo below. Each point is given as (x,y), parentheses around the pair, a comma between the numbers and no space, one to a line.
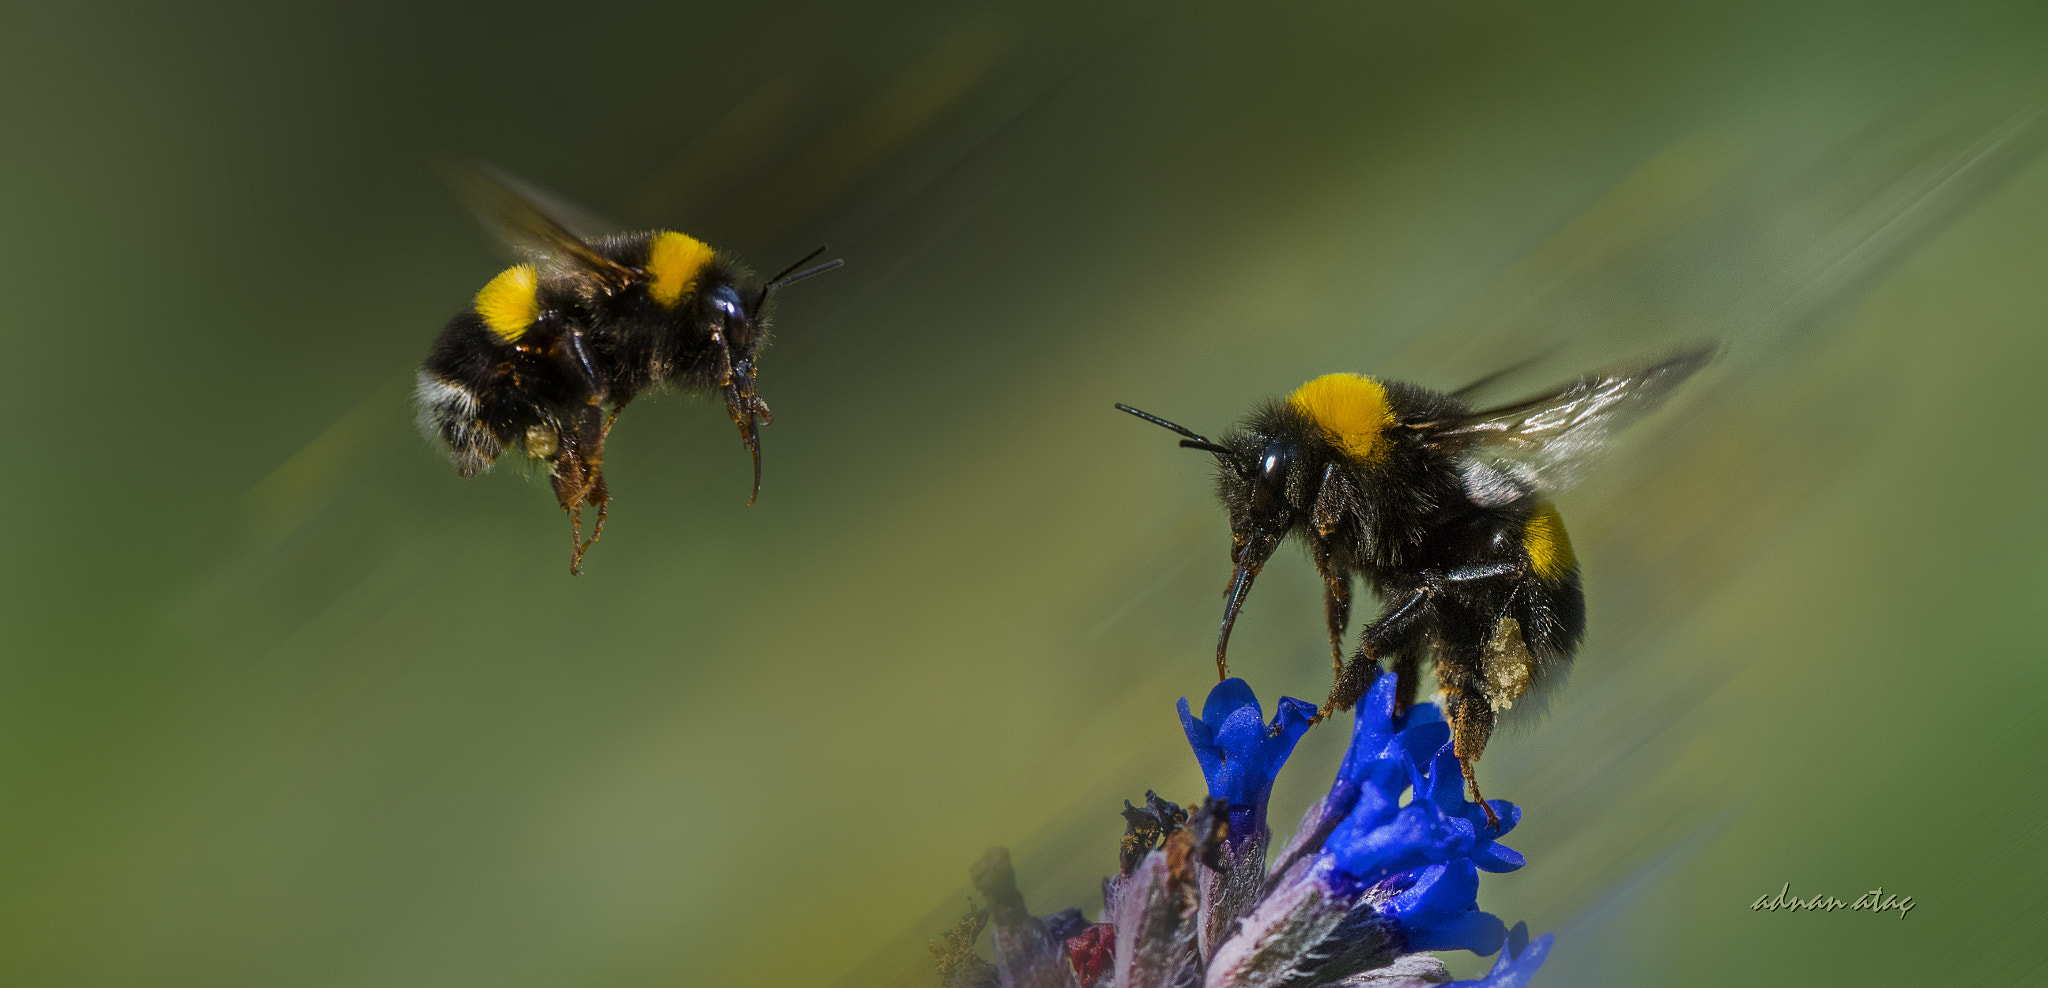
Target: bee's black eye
(1269,484)
(726,300)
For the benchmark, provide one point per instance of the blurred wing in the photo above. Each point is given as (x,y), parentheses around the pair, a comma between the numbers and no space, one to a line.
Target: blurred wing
(1546,443)
(1496,377)
(530,230)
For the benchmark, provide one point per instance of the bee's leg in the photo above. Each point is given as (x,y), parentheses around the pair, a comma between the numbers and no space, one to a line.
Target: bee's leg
(576,543)
(576,477)
(617,407)
(601,496)
(1333,499)
(1471,727)
(722,375)
(1394,632)
(1337,612)
(594,493)
(1407,678)
(1336,596)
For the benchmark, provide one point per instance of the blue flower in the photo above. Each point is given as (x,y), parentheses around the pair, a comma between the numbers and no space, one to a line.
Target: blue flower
(1240,754)
(1517,963)
(1376,837)
(1379,841)
(1440,910)
(1383,760)
(1419,861)
(1475,837)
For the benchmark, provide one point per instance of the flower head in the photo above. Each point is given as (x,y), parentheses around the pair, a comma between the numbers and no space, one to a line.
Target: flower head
(1366,887)
(1376,837)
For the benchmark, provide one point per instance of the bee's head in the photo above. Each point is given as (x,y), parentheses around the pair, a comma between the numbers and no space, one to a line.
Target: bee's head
(1263,482)
(1263,478)
(737,332)
(743,329)
(724,314)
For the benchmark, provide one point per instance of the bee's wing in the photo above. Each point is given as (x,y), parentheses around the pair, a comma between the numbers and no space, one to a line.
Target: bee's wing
(1546,443)
(1483,383)
(530,230)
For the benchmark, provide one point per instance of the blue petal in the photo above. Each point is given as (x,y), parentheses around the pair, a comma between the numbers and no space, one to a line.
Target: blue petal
(1517,963)
(1418,743)
(1440,911)
(1441,892)
(1239,731)
(1446,786)
(1478,932)
(1509,815)
(1291,721)
(1418,715)
(1227,698)
(1497,857)
(1242,737)
(1413,837)
(1371,726)
(1203,740)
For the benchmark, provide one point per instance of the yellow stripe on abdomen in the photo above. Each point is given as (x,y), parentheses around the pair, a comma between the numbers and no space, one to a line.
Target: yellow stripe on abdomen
(510,302)
(1549,548)
(1352,411)
(673,263)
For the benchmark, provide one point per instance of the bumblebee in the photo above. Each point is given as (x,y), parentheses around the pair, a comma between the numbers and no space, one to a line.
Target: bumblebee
(551,350)
(1443,511)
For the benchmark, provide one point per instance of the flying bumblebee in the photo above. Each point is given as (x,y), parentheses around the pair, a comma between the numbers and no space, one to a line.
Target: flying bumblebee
(1445,514)
(584,325)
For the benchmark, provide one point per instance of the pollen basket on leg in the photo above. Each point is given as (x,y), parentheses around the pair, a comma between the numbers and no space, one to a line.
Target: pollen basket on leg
(673,263)
(1549,548)
(1505,666)
(1352,411)
(510,302)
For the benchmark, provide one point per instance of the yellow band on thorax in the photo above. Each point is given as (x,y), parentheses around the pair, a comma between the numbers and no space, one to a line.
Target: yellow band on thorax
(673,263)
(1352,411)
(510,302)
(1549,548)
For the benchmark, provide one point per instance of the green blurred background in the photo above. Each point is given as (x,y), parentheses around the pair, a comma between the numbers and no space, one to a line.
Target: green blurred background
(284,702)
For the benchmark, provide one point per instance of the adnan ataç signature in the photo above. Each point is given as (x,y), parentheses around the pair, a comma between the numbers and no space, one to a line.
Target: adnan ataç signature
(1876,900)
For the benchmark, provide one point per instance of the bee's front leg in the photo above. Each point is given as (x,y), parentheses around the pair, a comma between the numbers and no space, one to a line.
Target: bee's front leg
(1332,500)
(1336,609)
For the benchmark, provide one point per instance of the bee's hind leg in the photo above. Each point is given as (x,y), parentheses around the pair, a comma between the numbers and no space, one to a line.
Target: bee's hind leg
(601,496)
(1471,727)
(589,488)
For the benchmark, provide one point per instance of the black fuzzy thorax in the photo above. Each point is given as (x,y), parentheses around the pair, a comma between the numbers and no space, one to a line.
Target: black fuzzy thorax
(1391,506)
(645,344)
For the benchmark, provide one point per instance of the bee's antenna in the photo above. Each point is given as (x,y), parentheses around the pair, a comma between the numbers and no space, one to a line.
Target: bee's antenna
(1156,420)
(1194,440)
(786,278)
(792,279)
(806,259)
